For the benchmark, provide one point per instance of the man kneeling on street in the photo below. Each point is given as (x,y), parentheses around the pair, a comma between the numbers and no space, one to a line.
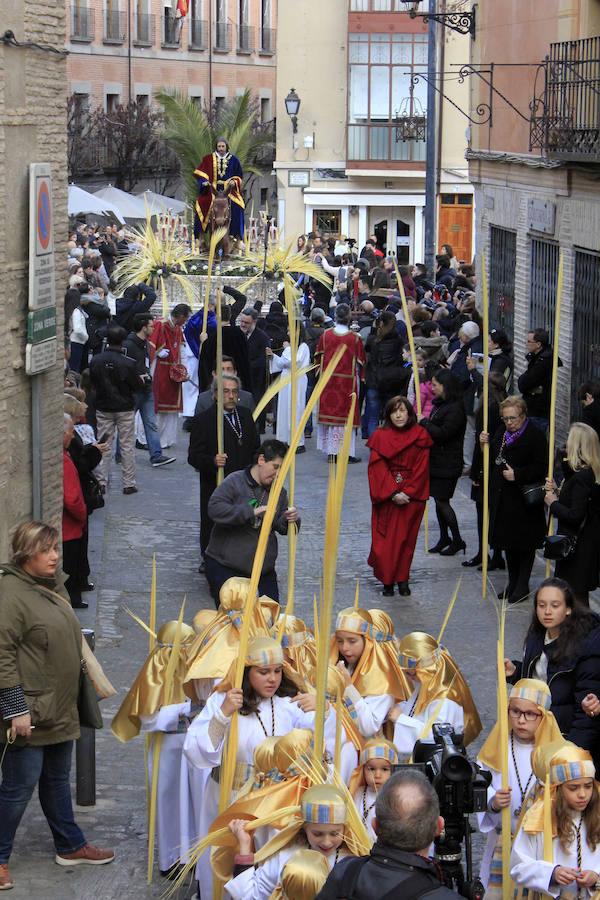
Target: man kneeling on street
(237,507)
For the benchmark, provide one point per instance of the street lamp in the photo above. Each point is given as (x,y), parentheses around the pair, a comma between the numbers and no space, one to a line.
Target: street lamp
(292,105)
(462,22)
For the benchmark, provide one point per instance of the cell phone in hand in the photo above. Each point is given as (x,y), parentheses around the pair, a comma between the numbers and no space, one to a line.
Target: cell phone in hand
(103,439)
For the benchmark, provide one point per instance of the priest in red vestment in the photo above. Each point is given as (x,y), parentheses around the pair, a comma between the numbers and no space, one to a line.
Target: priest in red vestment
(334,403)
(167,373)
(399,485)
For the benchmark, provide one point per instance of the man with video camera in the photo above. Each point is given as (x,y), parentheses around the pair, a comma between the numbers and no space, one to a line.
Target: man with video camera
(407,820)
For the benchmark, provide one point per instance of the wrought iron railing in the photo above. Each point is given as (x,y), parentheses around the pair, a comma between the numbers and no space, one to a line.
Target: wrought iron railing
(565,110)
(115,26)
(245,39)
(198,34)
(171,29)
(267,40)
(143,29)
(82,24)
(373,142)
(222,37)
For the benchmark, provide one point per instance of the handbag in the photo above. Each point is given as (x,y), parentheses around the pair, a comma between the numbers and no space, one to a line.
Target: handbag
(559,546)
(533,494)
(88,707)
(93,496)
(178,373)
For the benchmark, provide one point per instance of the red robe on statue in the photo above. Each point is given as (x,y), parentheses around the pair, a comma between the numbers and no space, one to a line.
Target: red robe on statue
(399,461)
(167,393)
(334,402)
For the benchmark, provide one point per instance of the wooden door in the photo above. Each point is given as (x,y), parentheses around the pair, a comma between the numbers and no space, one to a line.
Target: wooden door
(456,224)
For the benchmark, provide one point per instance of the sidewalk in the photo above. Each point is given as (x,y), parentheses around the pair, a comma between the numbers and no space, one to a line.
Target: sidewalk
(163,519)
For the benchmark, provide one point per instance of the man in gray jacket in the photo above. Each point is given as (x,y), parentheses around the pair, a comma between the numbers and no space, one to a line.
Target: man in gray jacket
(237,508)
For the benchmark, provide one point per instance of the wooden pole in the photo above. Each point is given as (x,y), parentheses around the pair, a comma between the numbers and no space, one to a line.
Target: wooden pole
(554,386)
(503,723)
(292,530)
(485,529)
(219,377)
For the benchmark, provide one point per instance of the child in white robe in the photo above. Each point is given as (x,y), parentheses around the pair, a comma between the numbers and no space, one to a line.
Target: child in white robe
(439,694)
(375,768)
(530,725)
(574,870)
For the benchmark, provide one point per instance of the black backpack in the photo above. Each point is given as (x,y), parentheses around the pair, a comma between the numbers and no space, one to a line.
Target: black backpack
(417,884)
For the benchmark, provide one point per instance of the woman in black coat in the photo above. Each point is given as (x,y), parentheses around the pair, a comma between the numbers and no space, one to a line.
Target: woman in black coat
(518,459)
(386,375)
(446,426)
(577,511)
(562,648)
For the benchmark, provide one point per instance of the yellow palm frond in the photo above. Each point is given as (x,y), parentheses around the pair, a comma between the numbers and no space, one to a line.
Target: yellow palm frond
(282,261)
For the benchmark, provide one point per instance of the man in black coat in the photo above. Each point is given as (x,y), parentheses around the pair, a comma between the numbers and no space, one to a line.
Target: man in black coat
(136,300)
(234,345)
(589,394)
(407,820)
(257,342)
(240,440)
(536,381)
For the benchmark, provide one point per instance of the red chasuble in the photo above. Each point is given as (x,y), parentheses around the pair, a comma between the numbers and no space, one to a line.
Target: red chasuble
(399,461)
(167,393)
(334,403)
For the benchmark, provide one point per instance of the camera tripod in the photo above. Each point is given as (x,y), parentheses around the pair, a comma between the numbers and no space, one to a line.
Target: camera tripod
(448,854)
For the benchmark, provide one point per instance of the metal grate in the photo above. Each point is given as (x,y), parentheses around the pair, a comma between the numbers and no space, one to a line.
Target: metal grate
(503,260)
(542,284)
(585,361)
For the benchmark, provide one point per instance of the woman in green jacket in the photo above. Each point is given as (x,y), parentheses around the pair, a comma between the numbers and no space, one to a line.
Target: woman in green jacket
(40,662)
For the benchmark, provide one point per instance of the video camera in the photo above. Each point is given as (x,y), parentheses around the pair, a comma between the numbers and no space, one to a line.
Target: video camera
(461,785)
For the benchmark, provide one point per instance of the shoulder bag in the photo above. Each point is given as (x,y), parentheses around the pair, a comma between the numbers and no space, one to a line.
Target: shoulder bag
(88,707)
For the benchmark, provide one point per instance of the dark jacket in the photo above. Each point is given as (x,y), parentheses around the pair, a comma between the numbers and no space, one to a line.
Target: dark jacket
(137,350)
(240,302)
(115,381)
(257,344)
(135,300)
(385,365)
(513,524)
(234,538)
(535,382)
(433,347)
(577,512)
(98,317)
(86,457)
(313,333)
(40,651)
(499,362)
(591,416)
(203,443)
(446,425)
(235,346)
(494,423)
(206,400)
(569,682)
(462,374)
(387,874)
(445,276)
(276,326)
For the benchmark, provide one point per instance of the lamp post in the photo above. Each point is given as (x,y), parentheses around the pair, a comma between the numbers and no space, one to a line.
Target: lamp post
(292,105)
(462,22)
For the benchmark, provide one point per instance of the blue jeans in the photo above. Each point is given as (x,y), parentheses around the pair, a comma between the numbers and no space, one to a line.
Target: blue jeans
(372,411)
(49,768)
(144,404)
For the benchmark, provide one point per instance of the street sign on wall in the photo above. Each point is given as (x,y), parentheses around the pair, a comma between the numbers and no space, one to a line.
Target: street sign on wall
(41,325)
(40,357)
(41,243)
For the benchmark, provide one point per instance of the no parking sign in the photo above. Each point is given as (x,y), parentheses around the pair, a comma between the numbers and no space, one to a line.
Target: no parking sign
(41,244)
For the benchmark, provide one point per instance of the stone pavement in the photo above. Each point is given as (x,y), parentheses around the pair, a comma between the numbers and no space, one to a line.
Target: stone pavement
(163,519)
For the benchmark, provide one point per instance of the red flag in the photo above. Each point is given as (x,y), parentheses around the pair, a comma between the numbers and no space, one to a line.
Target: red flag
(182,8)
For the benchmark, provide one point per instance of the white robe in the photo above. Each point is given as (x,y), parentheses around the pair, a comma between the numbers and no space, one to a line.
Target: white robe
(490,822)
(173,796)
(201,753)
(260,882)
(407,728)
(189,389)
(284,397)
(527,866)
(367,800)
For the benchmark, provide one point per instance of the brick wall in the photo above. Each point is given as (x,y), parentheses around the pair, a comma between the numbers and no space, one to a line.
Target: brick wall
(32,129)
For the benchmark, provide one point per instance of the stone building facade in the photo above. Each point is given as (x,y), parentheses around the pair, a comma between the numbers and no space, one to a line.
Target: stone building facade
(32,129)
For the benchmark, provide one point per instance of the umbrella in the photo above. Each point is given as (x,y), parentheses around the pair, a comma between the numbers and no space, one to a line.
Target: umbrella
(130,206)
(159,203)
(81,202)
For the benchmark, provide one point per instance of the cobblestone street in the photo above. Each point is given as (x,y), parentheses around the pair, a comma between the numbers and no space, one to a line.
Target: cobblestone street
(163,519)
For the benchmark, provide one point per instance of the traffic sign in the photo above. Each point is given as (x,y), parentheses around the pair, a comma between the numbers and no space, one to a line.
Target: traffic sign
(41,325)
(40,357)
(41,243)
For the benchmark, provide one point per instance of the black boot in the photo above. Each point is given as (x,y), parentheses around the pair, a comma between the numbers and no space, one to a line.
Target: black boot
(388,590)
(403,589)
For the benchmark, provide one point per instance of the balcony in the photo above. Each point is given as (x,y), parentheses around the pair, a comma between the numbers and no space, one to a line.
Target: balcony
(143,29)
(222,37)
(267,41)
(377,6)
(171,30)
(245,39)
(115,27)
(371,142)
(198,35)
(82,24)
(565,121)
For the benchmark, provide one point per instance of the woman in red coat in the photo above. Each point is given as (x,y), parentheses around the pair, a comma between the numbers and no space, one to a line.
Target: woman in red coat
(399,485)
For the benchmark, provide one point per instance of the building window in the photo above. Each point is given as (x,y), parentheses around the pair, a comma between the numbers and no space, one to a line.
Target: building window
(219,104)
(264,196)
(143,101)
(143,24)
(197,36)
(265,109)
(328,220)
(381,68)
(112,102)
(267,34)
(542,285)
(221,26)
(503,261)
(585,360)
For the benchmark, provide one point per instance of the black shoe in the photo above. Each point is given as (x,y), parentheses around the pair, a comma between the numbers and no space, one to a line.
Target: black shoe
(517,597)
(441,544)
(162,461)
(453,548)
(202,568)
(353,459)
(187,426)
(471,563)
(403,589)
(505,594)
(388,590)
(140,446)
(80,605)
(88,586)
(496,562)
(130,490)
(301,449)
